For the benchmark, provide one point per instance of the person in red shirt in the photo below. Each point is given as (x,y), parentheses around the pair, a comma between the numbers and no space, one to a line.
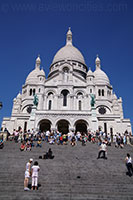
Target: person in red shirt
(22,147)
(61,139)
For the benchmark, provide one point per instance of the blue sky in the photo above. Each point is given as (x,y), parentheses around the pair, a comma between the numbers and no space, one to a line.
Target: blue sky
(33,27)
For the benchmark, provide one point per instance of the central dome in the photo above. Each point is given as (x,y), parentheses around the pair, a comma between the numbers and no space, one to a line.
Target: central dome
(69,52)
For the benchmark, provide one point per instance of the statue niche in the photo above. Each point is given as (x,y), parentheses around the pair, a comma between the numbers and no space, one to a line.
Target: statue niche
(65,74)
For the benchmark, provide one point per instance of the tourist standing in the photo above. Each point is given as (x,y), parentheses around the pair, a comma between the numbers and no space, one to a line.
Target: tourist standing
(103,150)
(27,174)
(34,170)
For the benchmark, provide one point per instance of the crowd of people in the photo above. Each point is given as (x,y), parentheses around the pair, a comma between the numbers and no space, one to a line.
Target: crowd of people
(33,138)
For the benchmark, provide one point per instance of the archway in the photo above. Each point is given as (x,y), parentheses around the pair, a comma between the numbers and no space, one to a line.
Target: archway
(45,125)
(63,126)
(81,126)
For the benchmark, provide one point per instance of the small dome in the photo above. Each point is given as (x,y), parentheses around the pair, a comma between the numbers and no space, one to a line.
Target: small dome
(33,76)
(42,73)
(69,52)
(90,73)
(100,78)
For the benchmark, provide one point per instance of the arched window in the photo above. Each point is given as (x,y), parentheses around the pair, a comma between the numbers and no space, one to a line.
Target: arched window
(39,90)
(90,90)
(79,95)
(64,93)
(99,92)
(102,92)
(49,105)
(34,91)
(50,93)
(30,92)
(80,105)
(108,92)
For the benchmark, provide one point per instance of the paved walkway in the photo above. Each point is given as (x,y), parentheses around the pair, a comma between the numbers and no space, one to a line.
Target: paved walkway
(74,173)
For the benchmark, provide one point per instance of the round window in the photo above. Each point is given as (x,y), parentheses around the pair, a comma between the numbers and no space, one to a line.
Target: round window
(102,110)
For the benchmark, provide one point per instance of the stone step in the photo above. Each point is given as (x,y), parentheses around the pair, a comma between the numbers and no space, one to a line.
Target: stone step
(74,173)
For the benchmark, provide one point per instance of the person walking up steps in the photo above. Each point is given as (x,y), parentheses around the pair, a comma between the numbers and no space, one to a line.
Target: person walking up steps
(129,166)
(27,174)
(34,170)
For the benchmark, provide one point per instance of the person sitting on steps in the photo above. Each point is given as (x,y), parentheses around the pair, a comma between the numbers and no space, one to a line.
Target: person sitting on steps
(48,155)
(22,146)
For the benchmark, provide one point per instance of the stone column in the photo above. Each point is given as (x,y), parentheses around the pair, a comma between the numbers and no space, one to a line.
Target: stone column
(40,102)
(75,103)
(31,122)
(94,120)
(71,129)
(45,102)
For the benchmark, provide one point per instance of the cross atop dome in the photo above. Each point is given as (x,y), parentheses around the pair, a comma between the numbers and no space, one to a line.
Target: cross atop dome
(97,62)
(69,37)
(38,62)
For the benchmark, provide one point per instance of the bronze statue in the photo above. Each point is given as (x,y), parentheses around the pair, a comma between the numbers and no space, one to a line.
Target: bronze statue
(92,100)
(35,101)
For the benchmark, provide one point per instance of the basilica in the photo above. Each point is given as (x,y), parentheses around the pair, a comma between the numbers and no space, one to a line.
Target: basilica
(64,97)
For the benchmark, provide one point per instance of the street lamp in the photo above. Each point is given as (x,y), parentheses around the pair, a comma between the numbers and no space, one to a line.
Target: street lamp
(1,105)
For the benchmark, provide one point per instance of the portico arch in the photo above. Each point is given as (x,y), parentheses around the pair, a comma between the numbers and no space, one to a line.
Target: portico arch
(63,126)
(81,126)
(45,125)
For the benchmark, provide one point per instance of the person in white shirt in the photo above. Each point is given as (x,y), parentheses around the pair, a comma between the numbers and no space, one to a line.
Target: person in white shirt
(27,174)
(34,170)
(129,166)
(103,150)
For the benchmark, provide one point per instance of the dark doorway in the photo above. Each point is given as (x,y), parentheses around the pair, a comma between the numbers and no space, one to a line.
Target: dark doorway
(45,125)
(81,126)
(105,127)
(63,126)
(25,127)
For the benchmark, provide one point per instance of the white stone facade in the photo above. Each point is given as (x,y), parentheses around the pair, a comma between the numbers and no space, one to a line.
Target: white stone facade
(65,96)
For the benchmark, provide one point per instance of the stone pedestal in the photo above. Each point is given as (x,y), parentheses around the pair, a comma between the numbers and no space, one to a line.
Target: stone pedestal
(94,120)
(31,124)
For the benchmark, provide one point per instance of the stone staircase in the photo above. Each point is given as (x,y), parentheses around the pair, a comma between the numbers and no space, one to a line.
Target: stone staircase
(74,173)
